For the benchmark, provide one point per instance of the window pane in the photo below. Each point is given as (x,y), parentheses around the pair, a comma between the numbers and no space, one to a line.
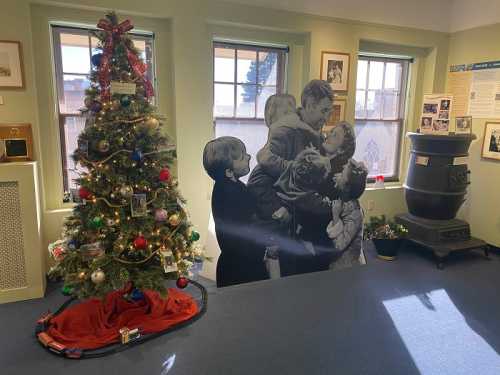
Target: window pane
(392,76)
(75,53)
(391,104)
(376,146)
(223,64)
(264,93)
(252,133)
(247,66)
(268,67)
(245,101)
(71,99)
(360,104)
(361,77)
(376,75)
(373,104)
(223,100)
(73,126)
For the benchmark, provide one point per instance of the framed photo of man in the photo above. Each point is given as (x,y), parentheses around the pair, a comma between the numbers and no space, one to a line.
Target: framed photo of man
(491,141)
(11,70)
(335,69)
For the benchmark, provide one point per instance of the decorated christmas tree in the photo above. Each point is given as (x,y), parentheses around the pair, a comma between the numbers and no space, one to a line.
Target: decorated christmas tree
(130,227)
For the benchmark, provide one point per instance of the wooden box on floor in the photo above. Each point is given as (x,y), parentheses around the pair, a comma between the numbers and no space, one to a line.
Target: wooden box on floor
(22,263)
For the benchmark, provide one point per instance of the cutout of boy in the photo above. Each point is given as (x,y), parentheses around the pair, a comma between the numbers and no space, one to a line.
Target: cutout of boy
(288,136)
(260,183)
(241,260)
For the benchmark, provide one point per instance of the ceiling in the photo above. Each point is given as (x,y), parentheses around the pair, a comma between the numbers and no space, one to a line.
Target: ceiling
(438,15)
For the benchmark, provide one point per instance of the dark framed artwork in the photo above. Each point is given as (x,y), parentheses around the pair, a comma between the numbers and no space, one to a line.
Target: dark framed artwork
(335,69)
(338,114)
(11,65)
(491,141)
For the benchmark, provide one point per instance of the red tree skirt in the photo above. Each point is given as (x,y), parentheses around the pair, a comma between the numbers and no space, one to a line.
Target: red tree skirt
(95,323)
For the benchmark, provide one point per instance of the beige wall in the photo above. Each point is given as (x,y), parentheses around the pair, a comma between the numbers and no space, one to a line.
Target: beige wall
(184,32)
(481,210)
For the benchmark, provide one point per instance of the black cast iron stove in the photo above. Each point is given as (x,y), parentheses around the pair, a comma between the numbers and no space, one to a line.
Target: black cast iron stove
(435,189)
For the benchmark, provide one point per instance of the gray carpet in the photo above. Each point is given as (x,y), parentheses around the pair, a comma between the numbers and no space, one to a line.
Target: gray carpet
(403,317)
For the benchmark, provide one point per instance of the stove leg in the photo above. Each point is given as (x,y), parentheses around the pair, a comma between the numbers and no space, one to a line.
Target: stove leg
(440,259)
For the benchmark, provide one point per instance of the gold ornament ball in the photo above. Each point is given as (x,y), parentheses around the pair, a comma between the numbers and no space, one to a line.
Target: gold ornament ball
(103,146)
(126,191)
(174,220)
(98,276)
(82,275)
(151,123)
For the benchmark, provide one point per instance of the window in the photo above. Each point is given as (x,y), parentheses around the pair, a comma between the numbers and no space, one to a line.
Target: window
(73,48)
(380,103)
(245,76)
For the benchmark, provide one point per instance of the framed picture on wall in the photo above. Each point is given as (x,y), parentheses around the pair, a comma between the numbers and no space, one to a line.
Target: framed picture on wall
(463,125)
(491,141)
(11,70)
(335,69)
(338,114)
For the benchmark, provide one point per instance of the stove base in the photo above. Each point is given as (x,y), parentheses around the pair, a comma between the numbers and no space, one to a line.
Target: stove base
(441,236)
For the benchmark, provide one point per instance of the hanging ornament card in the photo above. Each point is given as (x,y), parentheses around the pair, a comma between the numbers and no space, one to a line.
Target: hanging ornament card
(124,88)
(436,110)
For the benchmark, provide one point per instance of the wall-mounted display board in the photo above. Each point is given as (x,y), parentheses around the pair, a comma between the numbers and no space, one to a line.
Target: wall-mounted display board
(475,89)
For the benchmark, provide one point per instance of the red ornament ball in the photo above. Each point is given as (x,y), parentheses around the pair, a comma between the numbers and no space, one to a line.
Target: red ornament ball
(140,243)
(182,282)
(83,193)
(164,174)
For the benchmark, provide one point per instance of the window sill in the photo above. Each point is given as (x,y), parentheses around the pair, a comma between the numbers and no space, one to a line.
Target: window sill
(388,186)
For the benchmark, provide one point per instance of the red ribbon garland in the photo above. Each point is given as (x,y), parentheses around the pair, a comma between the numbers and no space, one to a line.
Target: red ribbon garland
(136,64)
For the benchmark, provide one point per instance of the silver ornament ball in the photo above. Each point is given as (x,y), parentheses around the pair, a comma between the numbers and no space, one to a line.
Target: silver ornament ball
(98,276)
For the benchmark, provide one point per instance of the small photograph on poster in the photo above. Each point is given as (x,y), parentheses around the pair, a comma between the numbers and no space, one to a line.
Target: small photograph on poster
(139,205)
(426,125)
(444,115)
(445,105)
(430,108)
(440,126)
(463,125)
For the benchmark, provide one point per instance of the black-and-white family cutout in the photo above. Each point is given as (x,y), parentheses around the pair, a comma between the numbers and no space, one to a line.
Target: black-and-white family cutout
(299,211)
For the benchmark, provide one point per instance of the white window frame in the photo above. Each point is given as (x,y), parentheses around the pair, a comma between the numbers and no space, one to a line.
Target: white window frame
(56,31)
(401,90)
(280,73)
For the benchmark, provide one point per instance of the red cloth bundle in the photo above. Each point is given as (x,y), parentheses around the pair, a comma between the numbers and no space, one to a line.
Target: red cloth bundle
(95,323)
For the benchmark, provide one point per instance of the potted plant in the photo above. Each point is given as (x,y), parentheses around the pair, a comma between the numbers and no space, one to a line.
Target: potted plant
(386,235)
